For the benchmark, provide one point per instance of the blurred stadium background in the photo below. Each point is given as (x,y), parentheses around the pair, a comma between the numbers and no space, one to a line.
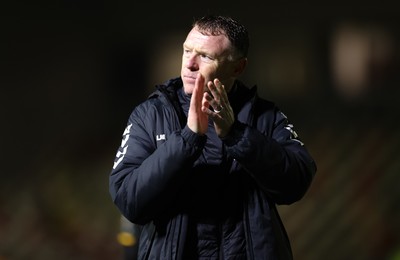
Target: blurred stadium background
(72,71)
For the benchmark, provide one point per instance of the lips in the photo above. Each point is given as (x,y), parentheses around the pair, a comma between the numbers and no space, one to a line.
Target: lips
(189,78)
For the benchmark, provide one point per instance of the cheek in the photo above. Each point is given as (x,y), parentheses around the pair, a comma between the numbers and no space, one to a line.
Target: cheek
(209,73)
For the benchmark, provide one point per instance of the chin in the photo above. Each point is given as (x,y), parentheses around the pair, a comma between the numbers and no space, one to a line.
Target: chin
(188,88)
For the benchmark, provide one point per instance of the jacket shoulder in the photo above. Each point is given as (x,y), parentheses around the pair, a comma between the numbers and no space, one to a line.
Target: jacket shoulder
(161,98)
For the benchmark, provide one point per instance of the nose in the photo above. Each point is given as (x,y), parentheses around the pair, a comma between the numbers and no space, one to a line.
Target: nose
(191,63)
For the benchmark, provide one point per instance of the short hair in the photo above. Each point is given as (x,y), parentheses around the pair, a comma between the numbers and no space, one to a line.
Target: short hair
(217,25)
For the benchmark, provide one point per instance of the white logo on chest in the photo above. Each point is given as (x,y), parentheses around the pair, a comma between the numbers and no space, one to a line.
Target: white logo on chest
(160,137)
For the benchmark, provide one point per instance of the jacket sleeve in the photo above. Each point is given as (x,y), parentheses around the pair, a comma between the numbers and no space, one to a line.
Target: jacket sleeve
(146,178)
(273,155)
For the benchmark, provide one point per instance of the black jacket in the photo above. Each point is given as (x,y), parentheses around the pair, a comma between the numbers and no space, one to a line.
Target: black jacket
(158,150)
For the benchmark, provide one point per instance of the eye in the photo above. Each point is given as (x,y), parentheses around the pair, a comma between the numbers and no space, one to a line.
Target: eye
(206,57)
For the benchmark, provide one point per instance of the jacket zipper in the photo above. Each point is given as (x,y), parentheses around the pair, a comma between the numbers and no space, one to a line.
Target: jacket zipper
(247,232)
(221,241)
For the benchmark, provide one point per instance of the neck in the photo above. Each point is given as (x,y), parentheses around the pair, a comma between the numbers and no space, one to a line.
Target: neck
(231,87)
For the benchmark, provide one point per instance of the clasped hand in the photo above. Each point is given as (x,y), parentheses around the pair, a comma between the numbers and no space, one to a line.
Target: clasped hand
(211,103)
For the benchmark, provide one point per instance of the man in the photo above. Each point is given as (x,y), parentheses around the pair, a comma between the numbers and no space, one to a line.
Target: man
(204,160)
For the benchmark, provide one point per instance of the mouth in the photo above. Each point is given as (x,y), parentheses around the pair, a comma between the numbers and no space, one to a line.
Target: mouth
(189,78)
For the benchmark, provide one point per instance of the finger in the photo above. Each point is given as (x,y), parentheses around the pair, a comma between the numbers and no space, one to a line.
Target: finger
(220,89)
(206,100)
(197,94)
(209,106)
(223,97)
(206,103)
(214,90)
(211,101)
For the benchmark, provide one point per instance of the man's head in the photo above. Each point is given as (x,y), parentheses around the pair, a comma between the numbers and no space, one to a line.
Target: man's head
(216,47)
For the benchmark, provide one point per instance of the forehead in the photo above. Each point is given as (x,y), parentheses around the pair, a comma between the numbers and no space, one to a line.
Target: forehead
(215,43)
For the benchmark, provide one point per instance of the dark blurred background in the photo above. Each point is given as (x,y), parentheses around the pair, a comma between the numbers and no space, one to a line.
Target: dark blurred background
(72,71)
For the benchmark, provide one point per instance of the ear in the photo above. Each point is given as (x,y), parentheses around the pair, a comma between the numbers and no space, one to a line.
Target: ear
(240,66)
